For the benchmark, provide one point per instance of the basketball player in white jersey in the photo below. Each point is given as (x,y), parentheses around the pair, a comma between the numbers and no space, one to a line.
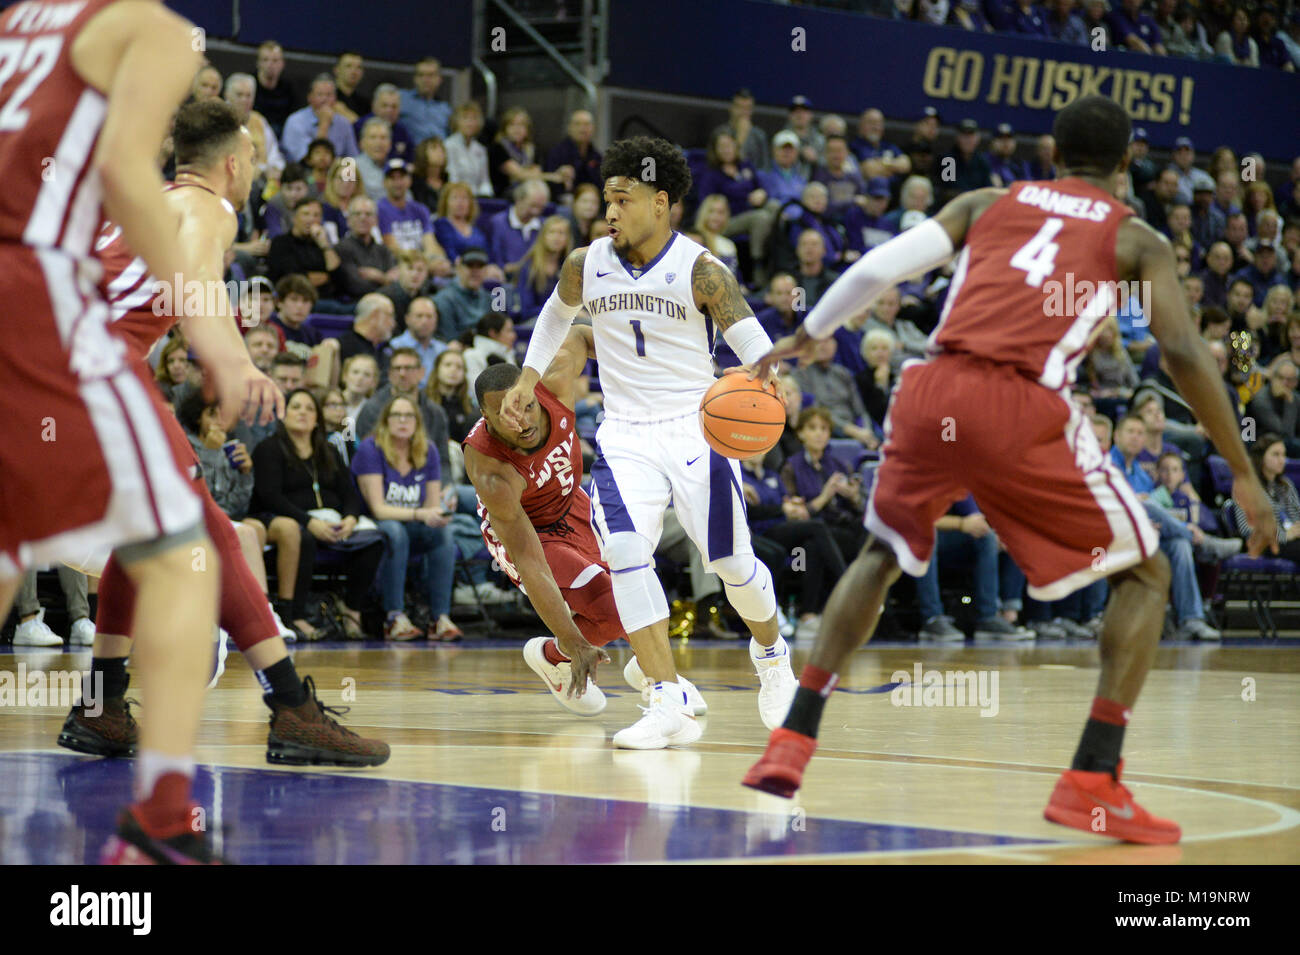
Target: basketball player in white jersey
(655,298)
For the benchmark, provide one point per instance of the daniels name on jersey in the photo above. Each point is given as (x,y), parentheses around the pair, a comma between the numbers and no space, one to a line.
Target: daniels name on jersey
(654,347)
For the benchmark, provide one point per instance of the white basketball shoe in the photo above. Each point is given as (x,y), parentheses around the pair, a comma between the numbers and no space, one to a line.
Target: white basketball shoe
(667,721)
(777,681)
(559,676)
(642,683)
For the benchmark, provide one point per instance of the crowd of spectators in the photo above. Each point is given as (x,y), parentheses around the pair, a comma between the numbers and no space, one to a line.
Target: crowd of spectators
(368,210)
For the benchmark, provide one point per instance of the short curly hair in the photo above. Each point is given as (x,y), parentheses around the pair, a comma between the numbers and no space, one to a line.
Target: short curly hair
(668,171)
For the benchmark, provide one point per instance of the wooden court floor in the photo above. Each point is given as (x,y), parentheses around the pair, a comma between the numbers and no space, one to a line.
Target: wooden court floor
(487,768)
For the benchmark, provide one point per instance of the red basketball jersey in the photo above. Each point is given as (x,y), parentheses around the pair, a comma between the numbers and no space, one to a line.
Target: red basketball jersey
(1035,279)
(553,471)
(50,121)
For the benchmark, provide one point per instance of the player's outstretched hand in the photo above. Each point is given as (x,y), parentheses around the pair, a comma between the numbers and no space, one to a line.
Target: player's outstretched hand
(585,657)
(1254,503)
(797,345)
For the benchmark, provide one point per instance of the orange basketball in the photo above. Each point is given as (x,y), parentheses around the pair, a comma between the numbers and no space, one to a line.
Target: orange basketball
(740,417)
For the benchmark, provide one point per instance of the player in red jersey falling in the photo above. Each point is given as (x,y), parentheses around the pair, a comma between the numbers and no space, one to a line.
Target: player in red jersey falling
(85,98)
(990,413)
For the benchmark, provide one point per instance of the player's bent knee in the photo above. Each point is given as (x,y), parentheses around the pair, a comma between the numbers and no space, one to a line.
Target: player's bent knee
(748,585)
(626,551)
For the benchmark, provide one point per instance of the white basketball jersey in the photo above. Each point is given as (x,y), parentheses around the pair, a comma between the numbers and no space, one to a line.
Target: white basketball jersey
(653,346)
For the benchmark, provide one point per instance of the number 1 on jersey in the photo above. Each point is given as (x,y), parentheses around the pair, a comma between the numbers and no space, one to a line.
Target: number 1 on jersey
(1037,257)
(640,339)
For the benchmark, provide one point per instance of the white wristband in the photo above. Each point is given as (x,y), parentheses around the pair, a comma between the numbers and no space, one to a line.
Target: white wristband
(748,340)
(549,332)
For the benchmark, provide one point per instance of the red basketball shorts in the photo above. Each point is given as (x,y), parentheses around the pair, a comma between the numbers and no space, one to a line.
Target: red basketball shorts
(84,463)
(960,425)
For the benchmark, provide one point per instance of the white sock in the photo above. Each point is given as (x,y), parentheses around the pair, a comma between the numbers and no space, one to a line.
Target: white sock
(150,765)
(672,691)
(760,652)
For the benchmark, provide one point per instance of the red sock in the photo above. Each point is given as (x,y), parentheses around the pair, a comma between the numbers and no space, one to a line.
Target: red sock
(169,809)
(818,680)
(1108,711)
(551,651)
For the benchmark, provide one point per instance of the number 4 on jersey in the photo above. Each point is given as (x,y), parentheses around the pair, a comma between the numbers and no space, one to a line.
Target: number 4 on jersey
(1037,257)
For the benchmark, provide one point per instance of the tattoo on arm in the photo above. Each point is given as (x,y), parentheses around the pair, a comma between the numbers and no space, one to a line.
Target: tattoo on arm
(717,293)
(570,284)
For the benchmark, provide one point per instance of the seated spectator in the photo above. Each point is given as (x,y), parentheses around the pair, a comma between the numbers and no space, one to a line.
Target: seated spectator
(339,430)
(1235,45)
(1279,302)
(360,379)
(398,474)
(307,250)
(404,382)
(370,332)
(348,71)
(574,157)
(878,158)
(1195,42)
(429,176)
(711,220)
(1175,538)
(834,390)
(1275,408)
(412,282)
(781,526)
(33,631)
(263,344)
(228,475)
(812,212)
(1096,26)
(320,157)
(885,315)
(1175,494)
(1108,369)
(467,158)
(514,230)
(740,127)
(1208,223)
(456,227)
(173,369)
(1001,157)
(824,484)
(372,163)
(785,179)
(423,113)
(840,174)
(1263,274)
(279,209)
(1064,24)
(341,187)
(964,536)
(1150,407)
(367,264)
(970,167)
(729,175)
(1240,306)
(405,223)
(788,445)
(449,389)
(1215,277)
(1042,166)
(1134,328)
(876,382)
(462,303)
(916,195)
(240,91)
(1268,454)
(1134,29)
(512,157)
(318,120)
(1028,19)
(421,323)
(386,104)
(541,270)
(494,341)
(298,475)
(1178,226)
(849,339)
(586,209)
(295,298)
(1292,338)
(811,274)
(810,141)
(287,372)
(868,226)
(780,317)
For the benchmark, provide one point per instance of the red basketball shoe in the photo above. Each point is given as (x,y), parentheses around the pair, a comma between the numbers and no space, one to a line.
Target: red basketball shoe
(1099,802)
(780,771)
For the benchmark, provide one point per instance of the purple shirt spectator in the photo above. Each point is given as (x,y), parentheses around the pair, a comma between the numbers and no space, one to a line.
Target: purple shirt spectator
(804,479)
(842,186)
(783,184)
(407,224)
(451,240)
(1030,20)
(400,490)
(531,300)
(403,145)
(774,323)
(865,232)
(511,239)
(1124,25)
(586,168)
(770,497)
(1001,14)
(848,349)
(736,190)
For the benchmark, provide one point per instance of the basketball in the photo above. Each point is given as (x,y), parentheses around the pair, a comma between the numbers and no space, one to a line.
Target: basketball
(740,417)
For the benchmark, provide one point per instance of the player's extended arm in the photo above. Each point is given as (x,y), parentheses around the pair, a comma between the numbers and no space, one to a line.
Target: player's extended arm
(1194,370)
(206,231)
(548,336)
(141,55)
(561,377)
(513,528)
(718,294)
(921,248)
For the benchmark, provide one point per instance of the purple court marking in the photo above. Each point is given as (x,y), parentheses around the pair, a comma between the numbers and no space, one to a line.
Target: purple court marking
(58,809)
